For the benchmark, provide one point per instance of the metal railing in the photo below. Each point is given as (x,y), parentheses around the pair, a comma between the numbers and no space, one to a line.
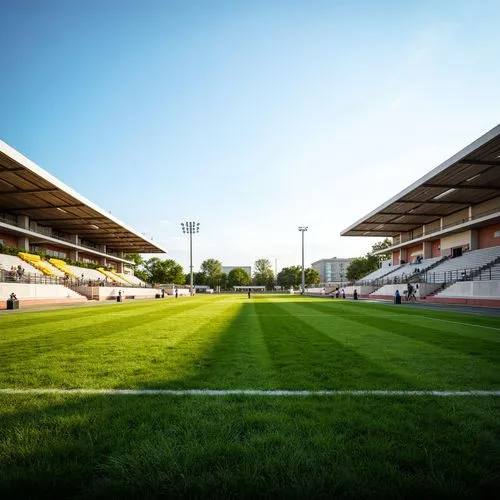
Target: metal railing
(9,219)
(7,276)
(463,220)
(484,273)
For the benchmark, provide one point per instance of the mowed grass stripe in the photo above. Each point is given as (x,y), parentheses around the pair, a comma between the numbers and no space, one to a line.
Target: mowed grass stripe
(147,344)
(230,342)
(451,335)
(238,357)
(55,446)
(306,358)
(45,323)
(382,342)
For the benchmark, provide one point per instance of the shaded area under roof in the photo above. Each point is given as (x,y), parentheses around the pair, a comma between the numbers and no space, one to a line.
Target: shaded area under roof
(26,189)
(469,177)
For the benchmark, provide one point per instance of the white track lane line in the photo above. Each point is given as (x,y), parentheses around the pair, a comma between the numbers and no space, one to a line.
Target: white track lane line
(250,392)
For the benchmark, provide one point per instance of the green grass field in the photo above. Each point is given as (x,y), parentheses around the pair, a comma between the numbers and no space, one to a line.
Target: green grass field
(343,446)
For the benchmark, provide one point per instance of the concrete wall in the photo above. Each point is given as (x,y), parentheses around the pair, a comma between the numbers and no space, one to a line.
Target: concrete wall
(111,292)
(489,236)
(456,218)
(388,291)
(413,251)
(486,206)
(454,240)
(473,289)
(433,226)
(8,240)
(28,291)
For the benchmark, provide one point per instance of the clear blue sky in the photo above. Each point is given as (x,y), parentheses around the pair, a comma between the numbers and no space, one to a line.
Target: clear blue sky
(251,117)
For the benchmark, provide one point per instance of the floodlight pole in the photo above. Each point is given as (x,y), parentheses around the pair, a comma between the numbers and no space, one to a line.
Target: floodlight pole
(190,228)
(303,229)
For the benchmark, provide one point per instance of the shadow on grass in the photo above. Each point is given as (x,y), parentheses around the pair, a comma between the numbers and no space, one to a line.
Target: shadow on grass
(188,446)
(397,324)
(49,338)
(258,351)
(185,446)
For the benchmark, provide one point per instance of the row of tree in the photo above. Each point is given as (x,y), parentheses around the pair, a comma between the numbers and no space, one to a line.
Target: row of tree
(155,270)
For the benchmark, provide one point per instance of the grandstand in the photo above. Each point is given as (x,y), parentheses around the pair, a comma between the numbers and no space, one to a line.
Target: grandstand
(445,230)
(57,246)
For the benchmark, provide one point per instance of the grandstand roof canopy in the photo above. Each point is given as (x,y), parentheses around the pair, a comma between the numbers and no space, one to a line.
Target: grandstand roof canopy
(469,177)
(27,189)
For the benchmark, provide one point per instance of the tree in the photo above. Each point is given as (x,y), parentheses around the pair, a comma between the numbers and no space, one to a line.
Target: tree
(289,277)
(223,281)
(362,266)
(381,245)
(164,271)
(263,274)
(311,276)
(135,257)
(292,277)
(212,269)
(139,270)
(238,277)
(198,278)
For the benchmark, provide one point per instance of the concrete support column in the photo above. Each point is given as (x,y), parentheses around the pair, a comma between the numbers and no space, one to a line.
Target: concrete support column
(23,221)
(119,267)
(73,254)
(427,254)
(24,243)
(103,261)
(74,239)
(474,239)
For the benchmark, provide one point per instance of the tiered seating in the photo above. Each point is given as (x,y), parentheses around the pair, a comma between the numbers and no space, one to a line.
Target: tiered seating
(113,277)
(379,273)
(468,262)
(62,266)
(122,277)
(9,261)
(86,275)
(36,261)
(408,270)
(133,280)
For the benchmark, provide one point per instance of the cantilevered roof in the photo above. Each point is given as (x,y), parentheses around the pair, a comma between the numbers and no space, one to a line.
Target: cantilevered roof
(471,176)
(27,189)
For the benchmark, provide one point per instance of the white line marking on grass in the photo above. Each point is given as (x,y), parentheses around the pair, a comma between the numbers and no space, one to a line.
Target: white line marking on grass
(250,392)
(459,323)
(330,316)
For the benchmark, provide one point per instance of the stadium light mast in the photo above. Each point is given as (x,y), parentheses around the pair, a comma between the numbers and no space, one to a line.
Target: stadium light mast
(303,229)
(190,228)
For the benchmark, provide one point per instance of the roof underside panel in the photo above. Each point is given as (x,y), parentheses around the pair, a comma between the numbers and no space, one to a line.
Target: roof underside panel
(25,189)
(470,177)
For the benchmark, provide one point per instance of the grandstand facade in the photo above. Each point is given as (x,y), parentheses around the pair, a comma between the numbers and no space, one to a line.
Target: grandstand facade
(445,229)
(47,229)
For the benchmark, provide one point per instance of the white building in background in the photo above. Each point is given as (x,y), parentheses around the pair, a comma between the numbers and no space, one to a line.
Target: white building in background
(332,270)
(228,269)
